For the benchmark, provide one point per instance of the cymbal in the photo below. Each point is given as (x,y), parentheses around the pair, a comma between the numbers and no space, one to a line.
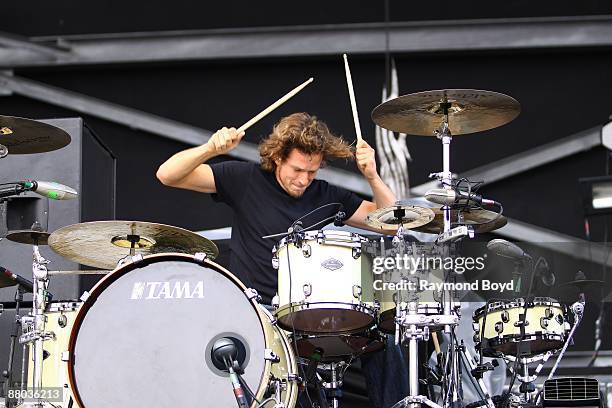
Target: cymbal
(29,237)
(482,221)
(388,219)
(469,111)
(101,244)
(583,284)
(25,136)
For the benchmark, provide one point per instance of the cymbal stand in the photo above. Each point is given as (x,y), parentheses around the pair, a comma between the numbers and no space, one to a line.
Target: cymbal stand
(333,387)
(416,327)
(35,323)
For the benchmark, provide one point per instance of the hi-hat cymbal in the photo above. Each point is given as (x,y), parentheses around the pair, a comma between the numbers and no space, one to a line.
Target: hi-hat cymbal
(482,221)
(29,237)
(25,136)
(469,111)
(388,219)
(101,244)
(583,284)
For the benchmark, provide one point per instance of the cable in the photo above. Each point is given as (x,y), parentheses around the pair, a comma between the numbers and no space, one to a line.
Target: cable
(472,380)
(297,221)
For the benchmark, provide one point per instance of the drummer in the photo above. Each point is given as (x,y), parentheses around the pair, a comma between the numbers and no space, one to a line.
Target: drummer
(267,198)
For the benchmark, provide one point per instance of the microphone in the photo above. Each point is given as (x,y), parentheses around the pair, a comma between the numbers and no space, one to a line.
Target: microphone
(225,350)
(314,359)
(507,249)
(50,189)
(23,282)
(450,197)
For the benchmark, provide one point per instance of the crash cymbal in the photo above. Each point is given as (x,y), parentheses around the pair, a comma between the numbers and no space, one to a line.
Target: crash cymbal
(101,244)
(481,220)
(469,111)
(29,237)
(388,219)
(25,136)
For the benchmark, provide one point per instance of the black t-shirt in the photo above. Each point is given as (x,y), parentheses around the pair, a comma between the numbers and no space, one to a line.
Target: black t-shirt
(261,207)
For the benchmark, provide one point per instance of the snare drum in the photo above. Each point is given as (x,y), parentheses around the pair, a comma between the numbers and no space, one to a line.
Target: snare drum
(546,327)
(144,338)
(324,283)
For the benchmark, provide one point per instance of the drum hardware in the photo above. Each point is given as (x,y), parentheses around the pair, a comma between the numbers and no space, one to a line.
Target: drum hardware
(441,114)
(333,387)
(102,244)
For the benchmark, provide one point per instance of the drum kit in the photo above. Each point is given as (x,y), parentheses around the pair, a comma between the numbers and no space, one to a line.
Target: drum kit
(153,332)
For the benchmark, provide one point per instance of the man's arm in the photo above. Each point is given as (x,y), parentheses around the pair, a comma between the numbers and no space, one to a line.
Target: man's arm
(187,169)
(382,195)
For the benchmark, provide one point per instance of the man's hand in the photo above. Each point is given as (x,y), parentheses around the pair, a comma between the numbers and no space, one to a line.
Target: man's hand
(224,140)
(366,160)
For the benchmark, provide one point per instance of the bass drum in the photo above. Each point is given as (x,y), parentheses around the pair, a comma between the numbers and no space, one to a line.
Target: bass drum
(144,337)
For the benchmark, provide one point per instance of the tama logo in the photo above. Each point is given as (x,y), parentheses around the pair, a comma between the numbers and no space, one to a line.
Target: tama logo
(167,290)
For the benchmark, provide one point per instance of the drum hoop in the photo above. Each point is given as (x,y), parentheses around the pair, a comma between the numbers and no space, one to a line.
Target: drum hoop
(293,307)
(292,367)
(342,238)
(499,305)
(122,270)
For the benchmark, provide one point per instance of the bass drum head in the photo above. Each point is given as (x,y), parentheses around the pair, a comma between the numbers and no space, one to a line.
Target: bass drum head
(143,337)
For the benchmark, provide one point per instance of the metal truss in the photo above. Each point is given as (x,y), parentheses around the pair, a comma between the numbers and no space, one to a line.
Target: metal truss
(150,123)
(284,42)
(524,161)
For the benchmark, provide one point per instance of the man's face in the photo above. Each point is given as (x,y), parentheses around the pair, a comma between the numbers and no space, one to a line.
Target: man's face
(297,171)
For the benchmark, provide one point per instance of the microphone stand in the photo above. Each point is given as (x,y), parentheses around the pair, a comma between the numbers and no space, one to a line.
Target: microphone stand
(8,374)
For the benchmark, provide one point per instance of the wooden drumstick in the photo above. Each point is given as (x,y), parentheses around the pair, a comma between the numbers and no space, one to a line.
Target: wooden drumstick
(275,105)
(434,337)
(349,84)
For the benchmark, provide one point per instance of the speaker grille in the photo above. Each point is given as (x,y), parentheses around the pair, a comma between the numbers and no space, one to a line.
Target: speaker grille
(571,392)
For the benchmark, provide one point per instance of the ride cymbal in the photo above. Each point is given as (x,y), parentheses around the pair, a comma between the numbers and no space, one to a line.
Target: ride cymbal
(469,111)
(101,244)
(26,136)
(481,220)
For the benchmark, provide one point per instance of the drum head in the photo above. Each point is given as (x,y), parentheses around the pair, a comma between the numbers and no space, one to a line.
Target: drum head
(144,336)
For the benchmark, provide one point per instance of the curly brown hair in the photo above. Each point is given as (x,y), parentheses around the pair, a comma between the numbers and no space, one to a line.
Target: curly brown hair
(305,133)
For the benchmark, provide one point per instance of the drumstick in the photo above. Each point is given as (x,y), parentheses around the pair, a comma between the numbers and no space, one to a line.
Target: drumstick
(434,337)
(275,105)
(349,84)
